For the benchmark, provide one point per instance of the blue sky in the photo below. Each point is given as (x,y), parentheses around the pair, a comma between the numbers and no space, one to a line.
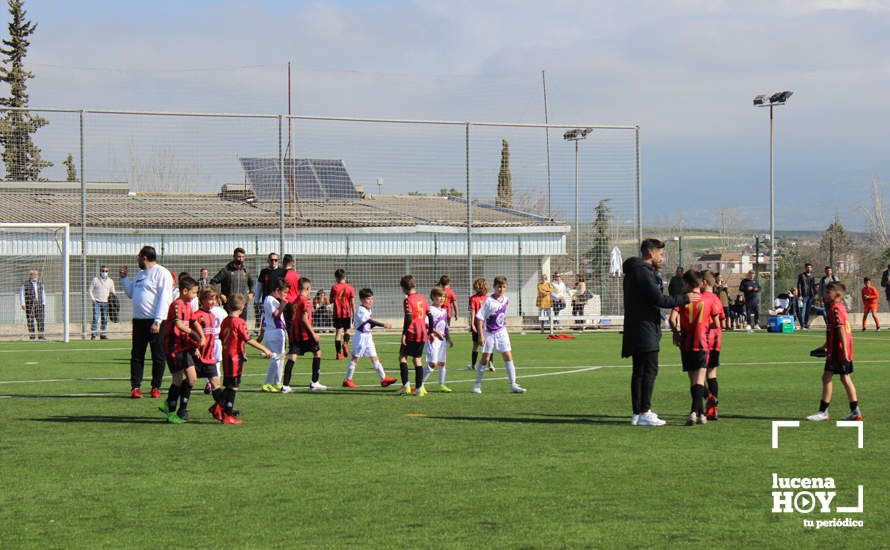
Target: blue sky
(684,70)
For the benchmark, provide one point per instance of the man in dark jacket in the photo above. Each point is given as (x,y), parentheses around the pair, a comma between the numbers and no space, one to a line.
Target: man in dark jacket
(806,290)
(676,286)
(642,326)
(234,278)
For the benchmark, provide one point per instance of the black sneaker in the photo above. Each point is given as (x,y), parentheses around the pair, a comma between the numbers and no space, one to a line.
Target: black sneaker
(184,415)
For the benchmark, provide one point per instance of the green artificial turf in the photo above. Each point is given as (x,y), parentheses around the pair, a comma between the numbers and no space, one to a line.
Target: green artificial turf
(83,465)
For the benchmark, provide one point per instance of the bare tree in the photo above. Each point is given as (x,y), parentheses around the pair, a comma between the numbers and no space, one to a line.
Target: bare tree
(728,222)
(876,215)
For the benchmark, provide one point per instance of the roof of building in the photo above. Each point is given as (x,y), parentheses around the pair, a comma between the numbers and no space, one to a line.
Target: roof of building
(199,210)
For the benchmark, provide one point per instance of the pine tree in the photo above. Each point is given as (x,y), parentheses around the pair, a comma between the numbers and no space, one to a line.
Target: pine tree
(20,155)
(505,179)
(837,245)
(70,167)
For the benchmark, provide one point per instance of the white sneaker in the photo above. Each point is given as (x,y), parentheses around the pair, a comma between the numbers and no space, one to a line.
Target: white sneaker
(749,329)
(650,419)
(634,420)
(692,420)
(819,417)
(477,389)
(316,386)
(287,389)
(491,367)
(471,367)
(515,388)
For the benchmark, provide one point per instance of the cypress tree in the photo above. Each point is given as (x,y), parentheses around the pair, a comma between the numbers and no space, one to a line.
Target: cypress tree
(505,179)
(20,155)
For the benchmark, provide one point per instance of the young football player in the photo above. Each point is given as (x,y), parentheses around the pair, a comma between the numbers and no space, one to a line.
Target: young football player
(438,341)
(491,324)
(480,287)
(363,343)
(870,297)
(839,355)
(415,331)
(343,299)
(715,342)
(205,363)
(233,335)
(273,330)
(450,305)
(304,339)
(183,336)
(691,324)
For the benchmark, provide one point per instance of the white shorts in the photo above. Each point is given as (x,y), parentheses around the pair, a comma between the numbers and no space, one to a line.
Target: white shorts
(497,341)
(363,346)
(275,340)
(436,351)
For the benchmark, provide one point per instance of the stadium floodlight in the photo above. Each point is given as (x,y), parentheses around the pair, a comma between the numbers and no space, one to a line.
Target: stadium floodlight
(774,100)
(576,135)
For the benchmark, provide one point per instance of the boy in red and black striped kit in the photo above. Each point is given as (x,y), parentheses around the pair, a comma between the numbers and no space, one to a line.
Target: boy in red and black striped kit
(183,336)
(303,338)
(415,332)
(343,300)
(205,364)
(233,334)
(715,341)
(450,304)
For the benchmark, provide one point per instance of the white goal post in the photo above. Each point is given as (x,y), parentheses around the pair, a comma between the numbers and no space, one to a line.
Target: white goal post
(34,240)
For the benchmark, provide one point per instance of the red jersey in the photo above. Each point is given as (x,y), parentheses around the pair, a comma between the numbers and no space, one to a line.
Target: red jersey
(292,277)
(416,310)
(176,340)
(695,323)
(476,302)
(714,307)
(342,296)
(837,317)
(298,331)
(450,298)
(233,334)
(207,321)
(870,296)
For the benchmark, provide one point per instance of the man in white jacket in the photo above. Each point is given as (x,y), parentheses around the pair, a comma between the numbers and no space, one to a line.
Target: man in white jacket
(152,292)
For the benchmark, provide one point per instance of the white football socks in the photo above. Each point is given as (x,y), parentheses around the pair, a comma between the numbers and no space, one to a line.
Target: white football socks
(480,372)
(350,370)
(442,375)
(511,372)
(379,369)
(426,372)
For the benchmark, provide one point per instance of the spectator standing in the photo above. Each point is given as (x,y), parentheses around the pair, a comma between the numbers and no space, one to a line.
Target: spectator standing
(203,279)
(544,301)
(32,299)
(885,283)
(321,311)
(579,301)
(101,289)
(559,295)
(806,290)
(265,284)
(826,280)
(722,292)
(152,292)
(676,286)
(751,289)
(234,278)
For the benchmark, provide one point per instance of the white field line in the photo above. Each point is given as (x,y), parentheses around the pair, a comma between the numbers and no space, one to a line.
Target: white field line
(60,350)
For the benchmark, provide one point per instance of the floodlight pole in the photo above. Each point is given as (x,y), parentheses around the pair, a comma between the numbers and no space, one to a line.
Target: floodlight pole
(772,215)
(577,216)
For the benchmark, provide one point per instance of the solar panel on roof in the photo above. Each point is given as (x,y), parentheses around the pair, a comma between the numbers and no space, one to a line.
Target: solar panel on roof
(310,179)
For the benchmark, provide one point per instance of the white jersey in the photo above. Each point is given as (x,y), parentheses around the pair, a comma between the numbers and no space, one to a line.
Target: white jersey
(363,341)
(219,314)
(494,314)
(440,319)
(271,321)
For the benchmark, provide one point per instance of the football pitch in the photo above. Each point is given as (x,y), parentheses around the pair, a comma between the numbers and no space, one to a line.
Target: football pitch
(83,465)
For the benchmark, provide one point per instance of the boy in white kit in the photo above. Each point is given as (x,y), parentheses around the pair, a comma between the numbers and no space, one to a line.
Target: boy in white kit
(439,340)
(363,342)
(491,325)
(273,329)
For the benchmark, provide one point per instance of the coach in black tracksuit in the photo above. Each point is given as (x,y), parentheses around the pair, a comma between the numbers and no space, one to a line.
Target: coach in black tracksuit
(642,324)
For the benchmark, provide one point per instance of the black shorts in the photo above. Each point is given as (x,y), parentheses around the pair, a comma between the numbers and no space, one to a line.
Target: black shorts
(342,322)
(233,367)
(179,361)
(845,367)
(694,360)
(288,314)
(302,348)
(206,370)
(229,381)
(713,359)
(411,349)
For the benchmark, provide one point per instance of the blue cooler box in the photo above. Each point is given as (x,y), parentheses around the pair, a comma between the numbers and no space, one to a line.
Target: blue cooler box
(781,323)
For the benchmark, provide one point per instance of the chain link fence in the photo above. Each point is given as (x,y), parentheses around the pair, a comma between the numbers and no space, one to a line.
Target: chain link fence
(379,198)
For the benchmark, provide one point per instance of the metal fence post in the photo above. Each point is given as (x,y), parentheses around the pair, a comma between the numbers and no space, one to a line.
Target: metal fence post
(469,212)
(639,188)
(83,237)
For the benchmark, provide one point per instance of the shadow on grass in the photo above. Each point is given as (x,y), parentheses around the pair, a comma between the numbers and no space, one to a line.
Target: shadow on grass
(103,419)
(550,419)
(301,391)
(65,396)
